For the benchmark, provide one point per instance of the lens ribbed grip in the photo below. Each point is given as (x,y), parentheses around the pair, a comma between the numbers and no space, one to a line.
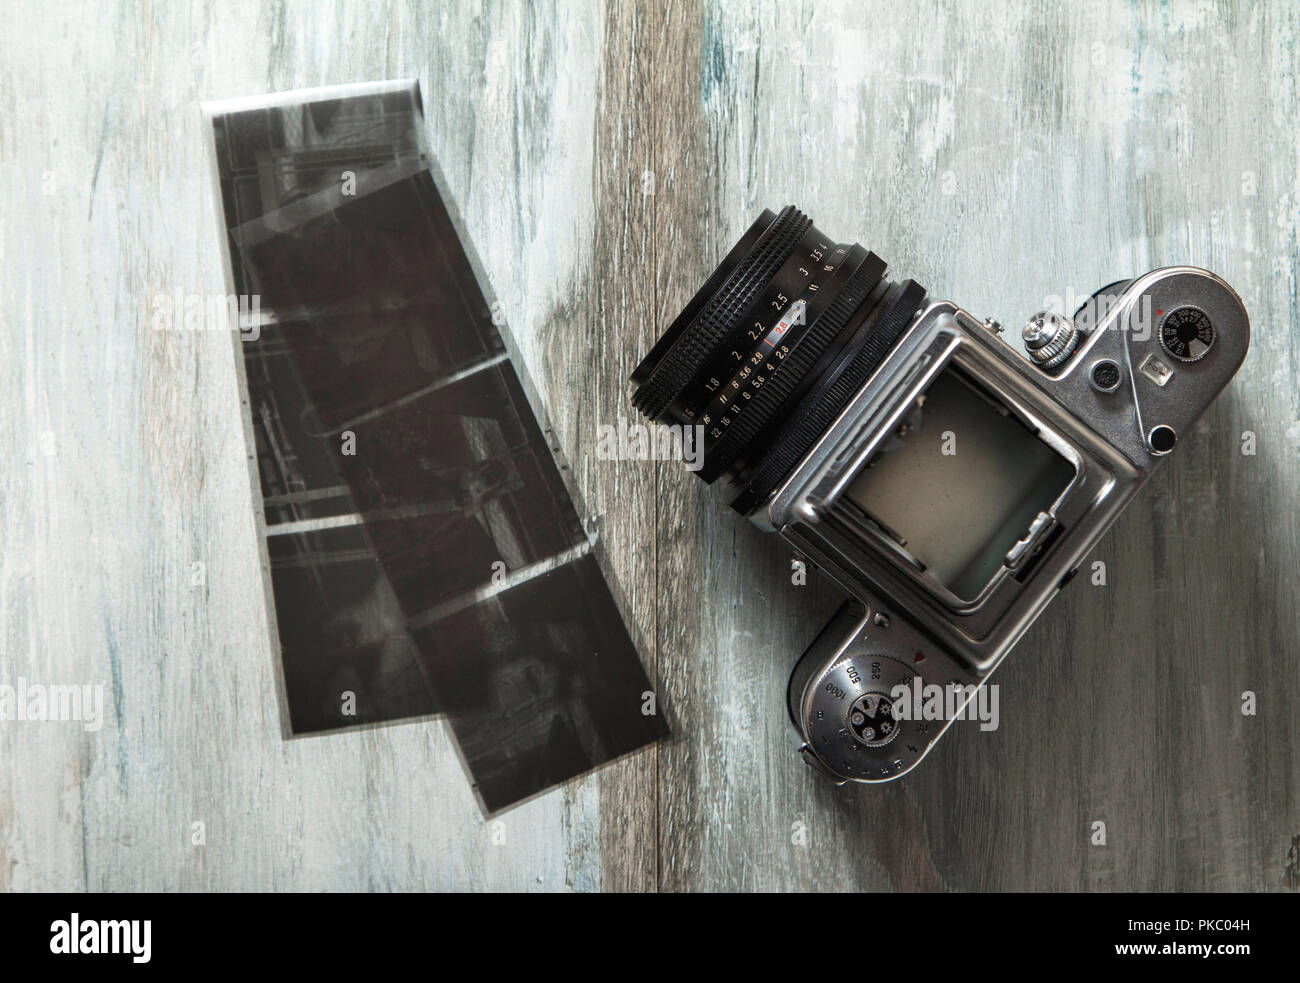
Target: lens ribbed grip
(782,382)
(813,417)
(720,314)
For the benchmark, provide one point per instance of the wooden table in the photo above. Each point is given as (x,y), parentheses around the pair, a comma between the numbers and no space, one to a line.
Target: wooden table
(604,158)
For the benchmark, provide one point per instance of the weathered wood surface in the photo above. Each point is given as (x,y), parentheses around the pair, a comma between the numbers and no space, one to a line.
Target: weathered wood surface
(603,159)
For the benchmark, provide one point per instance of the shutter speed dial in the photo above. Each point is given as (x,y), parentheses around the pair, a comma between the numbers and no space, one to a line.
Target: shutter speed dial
(849,716)
(1187,334)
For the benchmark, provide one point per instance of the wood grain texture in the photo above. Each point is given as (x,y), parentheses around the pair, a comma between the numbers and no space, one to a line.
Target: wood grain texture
(604,157)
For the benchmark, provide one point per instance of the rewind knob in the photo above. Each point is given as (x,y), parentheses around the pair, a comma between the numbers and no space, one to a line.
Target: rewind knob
(1050,339)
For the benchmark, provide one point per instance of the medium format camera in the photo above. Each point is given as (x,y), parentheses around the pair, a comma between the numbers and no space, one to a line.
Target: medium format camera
(950,484)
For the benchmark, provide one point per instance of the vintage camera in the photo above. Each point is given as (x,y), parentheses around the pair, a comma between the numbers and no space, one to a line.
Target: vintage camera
(950,484)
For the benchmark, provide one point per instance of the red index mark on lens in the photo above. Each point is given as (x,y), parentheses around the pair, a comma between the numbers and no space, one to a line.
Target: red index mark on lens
(919,657)
(792,316)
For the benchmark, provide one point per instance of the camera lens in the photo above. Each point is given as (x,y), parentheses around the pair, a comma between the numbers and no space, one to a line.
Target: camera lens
(771,348)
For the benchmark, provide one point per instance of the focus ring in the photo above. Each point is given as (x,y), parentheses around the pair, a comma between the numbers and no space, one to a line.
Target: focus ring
(718,316)
(794,368)
(813,418)
(716,279)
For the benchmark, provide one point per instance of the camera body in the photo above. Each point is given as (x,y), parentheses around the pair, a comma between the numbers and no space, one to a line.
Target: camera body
(949,483)
(1105,416)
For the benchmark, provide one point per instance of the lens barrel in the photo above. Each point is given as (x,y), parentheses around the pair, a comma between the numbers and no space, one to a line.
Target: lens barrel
(771,348)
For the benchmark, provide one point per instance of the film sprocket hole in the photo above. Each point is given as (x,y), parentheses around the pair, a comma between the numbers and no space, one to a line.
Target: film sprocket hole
(948,483)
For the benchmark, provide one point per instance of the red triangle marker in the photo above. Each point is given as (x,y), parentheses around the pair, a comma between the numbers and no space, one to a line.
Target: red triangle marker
(920,657)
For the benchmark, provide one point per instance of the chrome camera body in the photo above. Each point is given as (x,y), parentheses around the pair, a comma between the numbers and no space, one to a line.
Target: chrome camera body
(963,485)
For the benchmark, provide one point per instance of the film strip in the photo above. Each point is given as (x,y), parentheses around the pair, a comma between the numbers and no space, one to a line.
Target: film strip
(425,556)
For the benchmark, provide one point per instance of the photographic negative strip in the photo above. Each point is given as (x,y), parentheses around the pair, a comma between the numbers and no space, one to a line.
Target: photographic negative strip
(424,553)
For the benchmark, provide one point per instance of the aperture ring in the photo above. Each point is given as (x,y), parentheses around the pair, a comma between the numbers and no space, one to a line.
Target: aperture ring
(794,368)
(756,333)
(715,320)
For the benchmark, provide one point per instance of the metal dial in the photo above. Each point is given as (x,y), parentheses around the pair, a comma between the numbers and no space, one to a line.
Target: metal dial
(1050,339)
(849,719)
